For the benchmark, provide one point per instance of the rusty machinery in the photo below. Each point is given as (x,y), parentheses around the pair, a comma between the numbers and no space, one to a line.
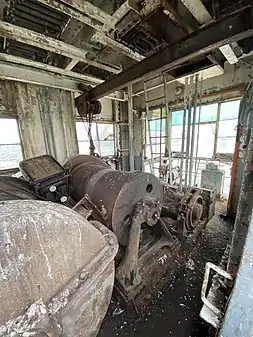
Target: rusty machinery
(152,222)
(57,270)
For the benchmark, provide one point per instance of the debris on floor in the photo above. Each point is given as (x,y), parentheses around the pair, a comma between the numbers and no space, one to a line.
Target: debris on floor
(175,310)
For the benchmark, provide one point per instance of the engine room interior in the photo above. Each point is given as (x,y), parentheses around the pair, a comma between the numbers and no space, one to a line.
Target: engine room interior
(126,168)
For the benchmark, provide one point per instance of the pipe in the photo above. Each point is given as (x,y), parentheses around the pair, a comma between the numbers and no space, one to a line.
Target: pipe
(193,129)
(130,127)
(188,134)
(149,131)
(197,145)
(183,135)
(168,129)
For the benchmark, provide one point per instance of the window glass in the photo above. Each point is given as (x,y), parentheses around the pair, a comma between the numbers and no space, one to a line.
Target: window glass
(206,140)
(102,135)
(177,117)
(9,131)
(176,131)
(226,145)
(10,147)
(229,110)
(227,128)
(176,145)
(208,113)
(157,125)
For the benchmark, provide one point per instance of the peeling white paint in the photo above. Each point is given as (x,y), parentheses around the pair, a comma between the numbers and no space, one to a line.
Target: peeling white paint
(42,250)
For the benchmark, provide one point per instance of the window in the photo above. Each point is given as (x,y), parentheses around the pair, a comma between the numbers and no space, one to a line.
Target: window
(102,135)
(227,127)
(10,147)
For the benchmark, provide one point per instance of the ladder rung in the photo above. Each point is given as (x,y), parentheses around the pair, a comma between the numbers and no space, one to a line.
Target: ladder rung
(159,137)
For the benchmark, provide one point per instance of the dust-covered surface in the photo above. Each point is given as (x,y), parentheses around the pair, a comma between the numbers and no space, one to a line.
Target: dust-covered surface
(175,310)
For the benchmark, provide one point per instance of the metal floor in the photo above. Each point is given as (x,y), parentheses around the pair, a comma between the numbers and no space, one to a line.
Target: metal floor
(175,311)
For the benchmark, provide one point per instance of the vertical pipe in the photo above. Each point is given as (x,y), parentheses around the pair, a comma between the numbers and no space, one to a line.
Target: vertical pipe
(193,129)
(188,133)
(130,127)
(216,131)
(115,128)
(148,125)
(183,135)
(160,150)
(168,129)
(197,145)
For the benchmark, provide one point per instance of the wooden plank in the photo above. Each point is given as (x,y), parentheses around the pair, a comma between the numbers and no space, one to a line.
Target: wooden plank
(86,79)
(34,76)
(35,39)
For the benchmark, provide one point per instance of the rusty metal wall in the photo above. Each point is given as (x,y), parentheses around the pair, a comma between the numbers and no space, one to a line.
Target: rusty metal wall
(46,118)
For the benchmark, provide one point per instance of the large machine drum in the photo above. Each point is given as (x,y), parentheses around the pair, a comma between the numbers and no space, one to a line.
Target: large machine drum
(115,193)
(57,270)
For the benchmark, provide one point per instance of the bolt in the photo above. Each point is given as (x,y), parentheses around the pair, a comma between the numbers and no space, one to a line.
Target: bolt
(52,188)
(83,275)
(64,198)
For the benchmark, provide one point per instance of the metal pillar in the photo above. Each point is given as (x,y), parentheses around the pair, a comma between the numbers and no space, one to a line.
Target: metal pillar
(245,204)
(239,315)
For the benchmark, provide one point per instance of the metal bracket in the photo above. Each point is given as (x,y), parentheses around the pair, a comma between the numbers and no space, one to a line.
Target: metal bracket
(205,300)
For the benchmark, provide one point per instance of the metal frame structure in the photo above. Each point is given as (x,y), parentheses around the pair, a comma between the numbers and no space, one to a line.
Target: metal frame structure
(233,28)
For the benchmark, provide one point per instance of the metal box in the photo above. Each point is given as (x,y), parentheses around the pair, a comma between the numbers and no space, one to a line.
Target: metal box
(213,180)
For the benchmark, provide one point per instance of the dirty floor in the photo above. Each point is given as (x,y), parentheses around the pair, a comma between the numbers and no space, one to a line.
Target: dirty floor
(175,310)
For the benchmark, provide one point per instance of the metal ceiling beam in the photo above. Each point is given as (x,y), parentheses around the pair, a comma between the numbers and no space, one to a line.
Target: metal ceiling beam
(201,14)
(15,68)
(91,11)
(74,13)
(198,10)
(85,79)
(122,49)
(101,28)
(234,27)
(35,39)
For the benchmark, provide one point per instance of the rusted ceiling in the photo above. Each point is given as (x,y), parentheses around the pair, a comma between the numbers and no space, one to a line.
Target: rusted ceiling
(148,26)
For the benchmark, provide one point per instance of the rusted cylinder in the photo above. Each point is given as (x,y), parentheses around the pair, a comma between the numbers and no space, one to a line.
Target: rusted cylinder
(114,192)
(57,270)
